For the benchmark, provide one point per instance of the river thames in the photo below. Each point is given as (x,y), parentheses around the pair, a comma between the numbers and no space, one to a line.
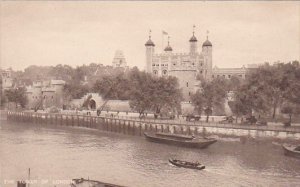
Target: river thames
(57,154)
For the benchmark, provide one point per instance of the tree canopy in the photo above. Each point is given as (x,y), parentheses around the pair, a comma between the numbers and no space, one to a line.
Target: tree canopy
(211,95)
(268,88)
(144,91)
(17,96)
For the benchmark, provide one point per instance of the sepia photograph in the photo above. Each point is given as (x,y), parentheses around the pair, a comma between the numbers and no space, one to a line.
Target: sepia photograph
(149,93)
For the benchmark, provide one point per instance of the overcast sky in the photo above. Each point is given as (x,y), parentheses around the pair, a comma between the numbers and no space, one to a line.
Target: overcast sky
(76,33)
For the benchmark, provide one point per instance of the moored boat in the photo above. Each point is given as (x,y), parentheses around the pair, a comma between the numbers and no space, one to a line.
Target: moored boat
(87,183)
(291,150)
(180,140)
(185,164)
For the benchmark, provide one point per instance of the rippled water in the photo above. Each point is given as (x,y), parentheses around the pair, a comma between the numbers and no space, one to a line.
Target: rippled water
(63,153)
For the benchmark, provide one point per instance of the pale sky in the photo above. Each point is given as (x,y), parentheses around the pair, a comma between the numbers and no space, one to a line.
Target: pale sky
(78,32)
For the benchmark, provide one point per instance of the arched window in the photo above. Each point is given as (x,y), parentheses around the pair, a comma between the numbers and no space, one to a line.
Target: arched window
(187,84)
(155,72)
(164,72)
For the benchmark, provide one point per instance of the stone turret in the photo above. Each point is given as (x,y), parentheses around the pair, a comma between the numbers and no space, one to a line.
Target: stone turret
(168,49)
(149,53)
(207,52)
(193,43)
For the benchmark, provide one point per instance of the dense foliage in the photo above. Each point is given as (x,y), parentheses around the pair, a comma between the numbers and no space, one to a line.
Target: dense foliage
(144,91)
(17,96)
(269,88)
(266,90)
(211,95)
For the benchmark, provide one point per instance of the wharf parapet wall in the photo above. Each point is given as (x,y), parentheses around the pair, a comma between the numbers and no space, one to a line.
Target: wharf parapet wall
(138,127)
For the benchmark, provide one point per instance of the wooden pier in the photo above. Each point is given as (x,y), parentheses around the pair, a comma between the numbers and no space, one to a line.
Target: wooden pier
(137,127)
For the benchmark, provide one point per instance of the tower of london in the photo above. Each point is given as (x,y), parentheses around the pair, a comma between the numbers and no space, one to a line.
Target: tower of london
(185,66)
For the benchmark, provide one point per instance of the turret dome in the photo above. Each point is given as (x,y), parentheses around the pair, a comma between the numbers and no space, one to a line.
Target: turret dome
(149,43)
(207,43)
(168,48)
(193,39)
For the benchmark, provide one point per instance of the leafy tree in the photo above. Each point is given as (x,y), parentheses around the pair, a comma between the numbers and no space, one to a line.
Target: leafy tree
(3,99)
(153,93)
(140,99)
(212,95)
(74,91)
(35,72)
(234,83)
(290,109)
(64,72)
(267,87)
(240,105)
(164,93)
(17,95)
(291,94)
(291,80)
(198,101)
(111,87)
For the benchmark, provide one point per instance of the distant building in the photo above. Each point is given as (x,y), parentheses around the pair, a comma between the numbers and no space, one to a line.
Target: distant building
(45,94)
(119,59)
(227,73)
(95,101)
(7,80)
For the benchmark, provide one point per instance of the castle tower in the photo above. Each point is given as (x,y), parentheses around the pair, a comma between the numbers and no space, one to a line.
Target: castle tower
(207,52)
(119,59)
(149,53)
(168,49)
(193,43)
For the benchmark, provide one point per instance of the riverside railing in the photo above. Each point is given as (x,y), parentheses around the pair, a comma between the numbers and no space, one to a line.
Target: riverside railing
(133,126)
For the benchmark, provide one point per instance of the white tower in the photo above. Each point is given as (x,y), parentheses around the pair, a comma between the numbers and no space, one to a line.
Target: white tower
(119,59)
(207,52)
(193,43)
(149,53)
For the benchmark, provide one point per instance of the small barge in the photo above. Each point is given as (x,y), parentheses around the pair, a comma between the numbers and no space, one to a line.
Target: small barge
(180,140)
(185,164)
(291,150)
(91,183)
